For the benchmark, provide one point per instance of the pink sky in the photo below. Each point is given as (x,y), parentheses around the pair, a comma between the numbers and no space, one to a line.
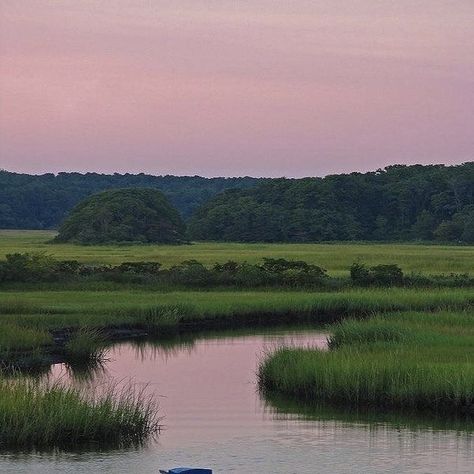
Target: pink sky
(235,87)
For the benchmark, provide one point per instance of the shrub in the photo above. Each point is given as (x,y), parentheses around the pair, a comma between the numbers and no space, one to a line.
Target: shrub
(25,267)
(383,275)
(190,272)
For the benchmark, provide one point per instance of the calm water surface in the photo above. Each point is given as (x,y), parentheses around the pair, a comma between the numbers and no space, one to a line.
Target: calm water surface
(214,416)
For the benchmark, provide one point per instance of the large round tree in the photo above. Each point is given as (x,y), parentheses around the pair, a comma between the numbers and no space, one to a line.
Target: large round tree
(123,215)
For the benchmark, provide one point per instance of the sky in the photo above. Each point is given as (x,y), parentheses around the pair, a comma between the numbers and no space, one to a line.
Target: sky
(235,87)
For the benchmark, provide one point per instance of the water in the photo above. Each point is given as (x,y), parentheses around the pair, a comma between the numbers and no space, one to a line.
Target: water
(214,417)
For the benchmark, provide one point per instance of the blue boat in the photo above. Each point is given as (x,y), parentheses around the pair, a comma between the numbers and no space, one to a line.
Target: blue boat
(187,470)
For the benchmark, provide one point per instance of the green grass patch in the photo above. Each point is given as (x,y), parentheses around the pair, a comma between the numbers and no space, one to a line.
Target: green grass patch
(86,346)
(410,361)
(38,416)
(59,309)
(16,338)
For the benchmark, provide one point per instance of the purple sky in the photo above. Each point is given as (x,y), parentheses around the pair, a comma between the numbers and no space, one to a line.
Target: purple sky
(235,87)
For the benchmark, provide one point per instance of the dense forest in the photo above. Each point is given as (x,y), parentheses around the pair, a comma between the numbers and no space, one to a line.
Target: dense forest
(43,201)
(396,203)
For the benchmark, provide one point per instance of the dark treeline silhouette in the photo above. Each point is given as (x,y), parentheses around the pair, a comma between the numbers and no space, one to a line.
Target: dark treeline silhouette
(397,203)
(434,202)
(43,201)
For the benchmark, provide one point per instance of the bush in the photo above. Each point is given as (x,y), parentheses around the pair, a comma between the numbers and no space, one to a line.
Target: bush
(190,272)
(383,275)
(26,267)
(147,268)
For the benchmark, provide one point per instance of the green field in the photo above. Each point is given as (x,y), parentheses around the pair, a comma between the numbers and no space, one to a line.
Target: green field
(336,257)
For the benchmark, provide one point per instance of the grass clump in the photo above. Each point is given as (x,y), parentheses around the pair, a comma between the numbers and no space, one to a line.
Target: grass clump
(86,345)
(39,416)
(408,361)
(350,331)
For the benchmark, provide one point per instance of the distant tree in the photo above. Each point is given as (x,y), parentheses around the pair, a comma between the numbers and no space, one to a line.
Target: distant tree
(397,203)
(467,235)
(123,215)
(43,201)
(458,229)
(448,231)
(424,226)
(382,228)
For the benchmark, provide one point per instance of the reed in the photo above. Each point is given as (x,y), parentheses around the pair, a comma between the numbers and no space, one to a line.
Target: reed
(410,361)
(88,314)
(34,415)
(86,346)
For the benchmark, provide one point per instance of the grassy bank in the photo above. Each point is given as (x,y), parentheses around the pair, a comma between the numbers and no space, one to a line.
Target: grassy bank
(35,415)
(336,258)
(414,361)
(55,309)
(33,318)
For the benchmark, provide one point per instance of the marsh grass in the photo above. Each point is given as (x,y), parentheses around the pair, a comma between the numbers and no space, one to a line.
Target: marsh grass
(16,338)
(35,415)
(411,361)
(86,346)
(335,257)
(50,308)
(88,315)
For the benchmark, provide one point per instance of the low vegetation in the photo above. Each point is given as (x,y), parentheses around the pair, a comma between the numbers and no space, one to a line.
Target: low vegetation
(67,315)
(271,272)
(35,415)
(85,346)
(335,257)
(417,361)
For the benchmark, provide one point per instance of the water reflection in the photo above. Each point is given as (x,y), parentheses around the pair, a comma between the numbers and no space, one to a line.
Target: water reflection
(285,408)
(214,415)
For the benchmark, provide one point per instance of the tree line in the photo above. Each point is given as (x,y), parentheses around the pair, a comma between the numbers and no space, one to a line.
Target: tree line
(44,201)
(396,203)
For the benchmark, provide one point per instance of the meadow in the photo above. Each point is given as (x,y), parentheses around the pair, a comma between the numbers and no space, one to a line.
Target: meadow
(366,365)
(335,257)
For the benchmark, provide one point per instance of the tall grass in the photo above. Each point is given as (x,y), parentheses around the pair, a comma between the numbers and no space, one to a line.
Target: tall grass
(129,304)
(86,346)
(178,311)
(16,338)
(412,361)
(36,415)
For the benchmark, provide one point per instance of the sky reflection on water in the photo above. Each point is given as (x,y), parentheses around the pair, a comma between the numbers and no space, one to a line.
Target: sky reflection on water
(214,416)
